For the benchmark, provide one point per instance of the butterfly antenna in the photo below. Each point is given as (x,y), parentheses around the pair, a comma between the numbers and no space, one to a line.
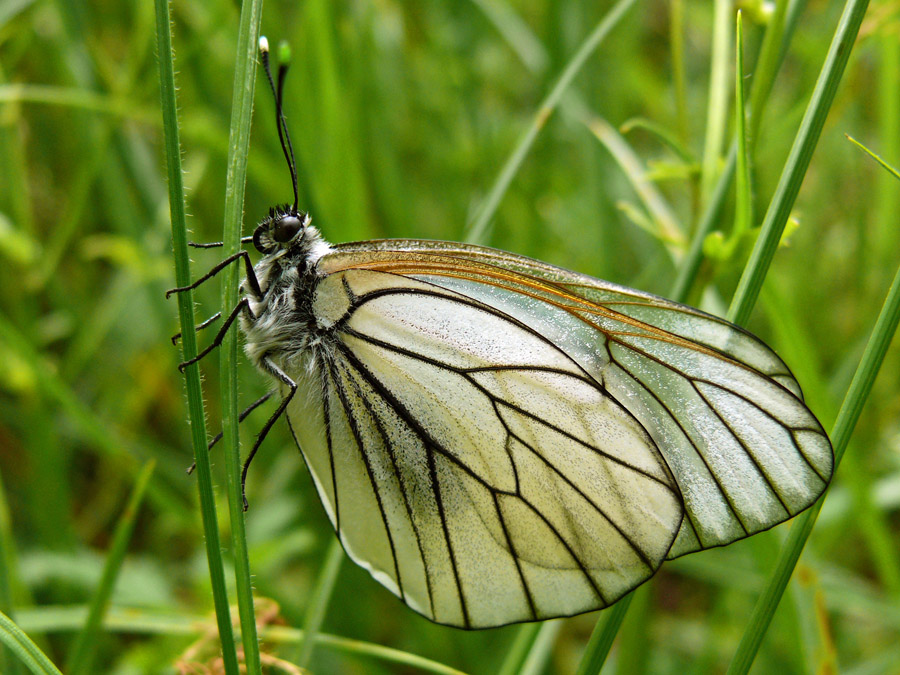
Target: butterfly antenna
(277,91)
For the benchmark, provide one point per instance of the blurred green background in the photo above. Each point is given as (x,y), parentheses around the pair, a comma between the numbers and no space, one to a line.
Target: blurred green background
(402,116)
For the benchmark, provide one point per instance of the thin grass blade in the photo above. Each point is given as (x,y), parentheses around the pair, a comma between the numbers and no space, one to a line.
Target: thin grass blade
(539,654)
(235,180)
(21,645)
(196,415)
(520,648)
(602,638)
(798,161)
(666,225)
(743,217)
(9,576)
(717,108)
(887,167)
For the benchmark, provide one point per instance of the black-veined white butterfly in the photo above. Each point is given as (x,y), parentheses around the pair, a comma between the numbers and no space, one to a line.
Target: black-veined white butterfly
(499,440)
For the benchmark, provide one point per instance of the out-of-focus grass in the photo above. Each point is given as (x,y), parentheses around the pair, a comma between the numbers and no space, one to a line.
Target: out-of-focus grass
(402,117)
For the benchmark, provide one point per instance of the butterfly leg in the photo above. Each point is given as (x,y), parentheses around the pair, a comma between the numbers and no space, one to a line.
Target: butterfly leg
(243,305)
(240,255)
(249,409)
(279,374)
(199,327)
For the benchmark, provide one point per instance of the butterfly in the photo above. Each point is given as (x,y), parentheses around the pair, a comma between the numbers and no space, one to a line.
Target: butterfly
(499,440)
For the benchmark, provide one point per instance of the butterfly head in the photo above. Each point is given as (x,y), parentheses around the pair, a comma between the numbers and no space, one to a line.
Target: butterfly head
(282,229)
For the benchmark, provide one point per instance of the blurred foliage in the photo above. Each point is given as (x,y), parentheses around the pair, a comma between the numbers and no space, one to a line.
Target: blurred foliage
(402,115)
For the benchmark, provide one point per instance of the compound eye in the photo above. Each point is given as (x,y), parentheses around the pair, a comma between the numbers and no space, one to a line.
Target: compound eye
(286,228)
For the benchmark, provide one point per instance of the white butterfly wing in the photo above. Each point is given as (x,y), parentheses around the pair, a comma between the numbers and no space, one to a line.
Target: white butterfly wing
(475,468)
(724,410)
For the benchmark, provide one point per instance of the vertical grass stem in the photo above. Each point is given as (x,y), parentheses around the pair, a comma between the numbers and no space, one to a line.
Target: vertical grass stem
(235,180)
(189,339)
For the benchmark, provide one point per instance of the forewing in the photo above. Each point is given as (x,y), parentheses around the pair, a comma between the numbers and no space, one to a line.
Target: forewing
(473,467)
(724,410)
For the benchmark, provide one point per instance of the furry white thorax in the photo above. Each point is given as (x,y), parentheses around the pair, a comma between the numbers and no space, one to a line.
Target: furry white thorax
(284,326)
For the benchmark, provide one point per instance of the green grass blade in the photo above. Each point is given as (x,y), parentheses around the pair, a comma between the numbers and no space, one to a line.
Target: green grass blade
(690,265)
(662,134)
(9,576)
(774,47)
(77,99)
(666,225)
(520,648)
(632,656)
(798,161)
(748,290)
(318,603)
(20,644)
(887,167)
(137,621)
(871,361)
(770,56)
(235,181)
(743,218)
(83,651)
(478,230)
(679,77)
(603,636)
(717,108)
(189,340)
(539,654)
(516,33)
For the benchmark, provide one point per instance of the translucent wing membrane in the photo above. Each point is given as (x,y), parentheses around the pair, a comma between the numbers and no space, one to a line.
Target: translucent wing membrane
(475,468)
(722,408)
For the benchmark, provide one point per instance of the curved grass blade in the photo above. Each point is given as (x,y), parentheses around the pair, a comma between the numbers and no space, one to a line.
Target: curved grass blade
(189,342)
(22,646)
(9,577)
(526,641)
(139,621)
(662,134)
(665,225)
